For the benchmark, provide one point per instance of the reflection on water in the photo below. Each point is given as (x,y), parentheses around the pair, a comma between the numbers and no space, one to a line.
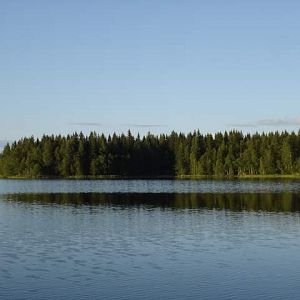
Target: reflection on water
(271,202)
(74,241)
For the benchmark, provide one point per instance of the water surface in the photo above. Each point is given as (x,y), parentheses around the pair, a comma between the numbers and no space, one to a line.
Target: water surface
(148,186)
(89,242)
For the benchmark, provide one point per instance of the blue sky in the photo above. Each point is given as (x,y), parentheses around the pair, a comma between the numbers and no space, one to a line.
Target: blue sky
(148,66)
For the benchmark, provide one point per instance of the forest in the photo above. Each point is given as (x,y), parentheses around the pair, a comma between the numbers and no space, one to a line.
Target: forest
(225,154)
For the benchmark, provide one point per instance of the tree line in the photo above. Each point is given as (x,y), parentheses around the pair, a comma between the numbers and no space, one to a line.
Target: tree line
(222,154)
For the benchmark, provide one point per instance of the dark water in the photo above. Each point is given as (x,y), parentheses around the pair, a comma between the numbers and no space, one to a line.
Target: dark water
(150,240)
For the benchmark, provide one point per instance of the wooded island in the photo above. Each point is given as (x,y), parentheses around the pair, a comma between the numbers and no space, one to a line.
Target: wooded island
(222,154)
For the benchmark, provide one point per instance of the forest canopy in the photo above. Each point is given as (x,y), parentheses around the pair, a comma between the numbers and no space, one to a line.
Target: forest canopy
(222,154)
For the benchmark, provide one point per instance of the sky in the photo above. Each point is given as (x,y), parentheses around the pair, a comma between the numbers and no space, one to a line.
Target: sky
(159,65)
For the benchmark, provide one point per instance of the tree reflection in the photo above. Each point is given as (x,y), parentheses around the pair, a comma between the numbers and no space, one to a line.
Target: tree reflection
(271,202)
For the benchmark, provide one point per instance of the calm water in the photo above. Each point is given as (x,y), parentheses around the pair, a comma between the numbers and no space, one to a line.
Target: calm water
(148,186)
(149,239)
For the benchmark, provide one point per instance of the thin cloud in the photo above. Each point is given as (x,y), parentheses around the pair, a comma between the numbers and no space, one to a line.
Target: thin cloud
(279,122)
(144,125)
(131,125)
(269,122)
(242,125)
(86,124)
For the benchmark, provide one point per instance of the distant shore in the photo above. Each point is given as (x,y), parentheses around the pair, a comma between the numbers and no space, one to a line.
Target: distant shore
(221,155)
(158,177)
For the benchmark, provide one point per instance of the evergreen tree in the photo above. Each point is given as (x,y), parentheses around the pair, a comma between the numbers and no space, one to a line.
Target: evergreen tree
(227,154)
(286,158)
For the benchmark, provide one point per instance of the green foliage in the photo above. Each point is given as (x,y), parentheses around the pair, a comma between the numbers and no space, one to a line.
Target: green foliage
(223,154)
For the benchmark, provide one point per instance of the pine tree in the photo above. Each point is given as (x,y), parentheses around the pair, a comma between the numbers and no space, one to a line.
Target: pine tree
(286,158)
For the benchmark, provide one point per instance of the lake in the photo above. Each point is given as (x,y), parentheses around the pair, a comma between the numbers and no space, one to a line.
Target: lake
(149,239)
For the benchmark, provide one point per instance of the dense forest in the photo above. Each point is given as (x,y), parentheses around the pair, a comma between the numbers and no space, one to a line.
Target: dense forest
(221,154)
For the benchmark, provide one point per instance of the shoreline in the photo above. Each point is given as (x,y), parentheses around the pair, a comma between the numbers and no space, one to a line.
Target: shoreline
(157,177)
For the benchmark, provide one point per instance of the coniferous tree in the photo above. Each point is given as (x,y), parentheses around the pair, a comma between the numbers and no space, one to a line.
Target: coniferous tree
(227,154)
